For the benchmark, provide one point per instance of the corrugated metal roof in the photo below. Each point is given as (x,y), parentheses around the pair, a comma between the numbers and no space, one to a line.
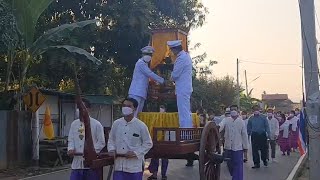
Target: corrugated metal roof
(93,99)
(100,99)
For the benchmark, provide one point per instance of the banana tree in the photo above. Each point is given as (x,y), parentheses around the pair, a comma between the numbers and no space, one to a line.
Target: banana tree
(246,101)
(26,14)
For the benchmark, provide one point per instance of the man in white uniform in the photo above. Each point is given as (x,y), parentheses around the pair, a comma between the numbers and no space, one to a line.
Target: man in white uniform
(182,76)
(76,140)
(140,80)
(236,142)
(129,141)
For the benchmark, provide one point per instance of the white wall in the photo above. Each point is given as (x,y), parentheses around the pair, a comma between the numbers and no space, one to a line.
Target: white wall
(68,116)
(102,113)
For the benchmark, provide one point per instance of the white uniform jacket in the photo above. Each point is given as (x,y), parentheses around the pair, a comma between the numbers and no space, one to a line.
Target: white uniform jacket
(140,80)
(274,128)
(236,137)
(77,144)
(129,136)
(182,73)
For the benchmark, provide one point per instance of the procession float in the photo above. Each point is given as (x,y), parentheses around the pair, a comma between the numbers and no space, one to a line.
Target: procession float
(169,141)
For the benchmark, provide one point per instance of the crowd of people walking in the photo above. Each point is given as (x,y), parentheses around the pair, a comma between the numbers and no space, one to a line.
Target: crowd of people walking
(264,129)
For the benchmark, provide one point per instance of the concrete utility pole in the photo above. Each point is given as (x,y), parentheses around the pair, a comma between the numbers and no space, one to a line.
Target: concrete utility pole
(238,85)
(35,138)
(311,74)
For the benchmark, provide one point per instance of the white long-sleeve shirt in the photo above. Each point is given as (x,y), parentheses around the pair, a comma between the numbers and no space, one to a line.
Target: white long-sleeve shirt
(236,137)
(140,79)
(182,73)
(129,136)
(294,122)
(76,140)
(274,128)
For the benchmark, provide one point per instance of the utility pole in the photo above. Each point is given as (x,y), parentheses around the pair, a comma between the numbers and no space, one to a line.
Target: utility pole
(238,85)
(35,138)
(245,76)
(309,52)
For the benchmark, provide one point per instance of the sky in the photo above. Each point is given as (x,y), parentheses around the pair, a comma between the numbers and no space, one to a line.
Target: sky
(259,31)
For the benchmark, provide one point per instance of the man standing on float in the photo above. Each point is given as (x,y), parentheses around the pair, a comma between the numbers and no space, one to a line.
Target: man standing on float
(182,76)
(140,80)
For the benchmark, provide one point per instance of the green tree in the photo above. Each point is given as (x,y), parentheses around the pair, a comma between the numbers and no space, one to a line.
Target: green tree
(126,27)
(246,101)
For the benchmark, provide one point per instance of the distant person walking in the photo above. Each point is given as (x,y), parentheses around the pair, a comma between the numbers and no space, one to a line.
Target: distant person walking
(274,133)
(294,133)
(283,139)
(259,130)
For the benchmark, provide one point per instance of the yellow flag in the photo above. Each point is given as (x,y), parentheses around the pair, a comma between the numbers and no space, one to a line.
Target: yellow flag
(47,124)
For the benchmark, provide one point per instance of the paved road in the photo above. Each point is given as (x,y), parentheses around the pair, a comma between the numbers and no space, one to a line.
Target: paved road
(178,171)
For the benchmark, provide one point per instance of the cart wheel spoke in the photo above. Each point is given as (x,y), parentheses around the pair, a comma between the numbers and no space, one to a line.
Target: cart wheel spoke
(209,145)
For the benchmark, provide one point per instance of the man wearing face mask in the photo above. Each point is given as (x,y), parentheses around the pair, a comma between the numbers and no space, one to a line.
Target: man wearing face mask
(76,143)
(274,133)
(259,130)
(129,141)
(236,142)
(141,74)
(182,76)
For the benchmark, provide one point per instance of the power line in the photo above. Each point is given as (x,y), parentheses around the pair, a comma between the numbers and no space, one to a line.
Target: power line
(267,63)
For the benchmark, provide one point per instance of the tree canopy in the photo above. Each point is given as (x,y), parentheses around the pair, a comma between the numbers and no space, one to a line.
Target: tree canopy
(124,27)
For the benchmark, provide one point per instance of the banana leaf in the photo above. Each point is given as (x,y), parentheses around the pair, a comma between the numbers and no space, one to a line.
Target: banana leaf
(78,53)
(27,13)
(56,35)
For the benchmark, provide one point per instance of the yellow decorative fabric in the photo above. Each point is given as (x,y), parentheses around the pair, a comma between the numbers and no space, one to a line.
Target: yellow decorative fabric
(167,120)
(159,43)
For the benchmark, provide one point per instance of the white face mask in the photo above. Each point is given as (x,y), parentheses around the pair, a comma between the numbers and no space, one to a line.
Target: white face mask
(162,110)
(234,113)
(126,111)
(146,58)
(269,114)
(244,117)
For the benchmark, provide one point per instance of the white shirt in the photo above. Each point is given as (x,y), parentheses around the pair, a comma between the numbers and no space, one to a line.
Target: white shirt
(182,73)
(274,127)
(294,122)
(245,123)
(140,79)
(129,136)
(236,137)
(285,128)
(77,144)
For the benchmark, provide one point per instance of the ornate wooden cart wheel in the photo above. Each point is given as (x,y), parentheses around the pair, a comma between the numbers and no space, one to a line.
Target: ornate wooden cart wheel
(209,145)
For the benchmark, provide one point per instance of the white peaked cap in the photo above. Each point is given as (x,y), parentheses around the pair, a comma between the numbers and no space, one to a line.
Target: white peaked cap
(172,44)
(148,50)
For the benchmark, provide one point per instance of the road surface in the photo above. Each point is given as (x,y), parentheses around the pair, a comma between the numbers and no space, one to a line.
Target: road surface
(178,171)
